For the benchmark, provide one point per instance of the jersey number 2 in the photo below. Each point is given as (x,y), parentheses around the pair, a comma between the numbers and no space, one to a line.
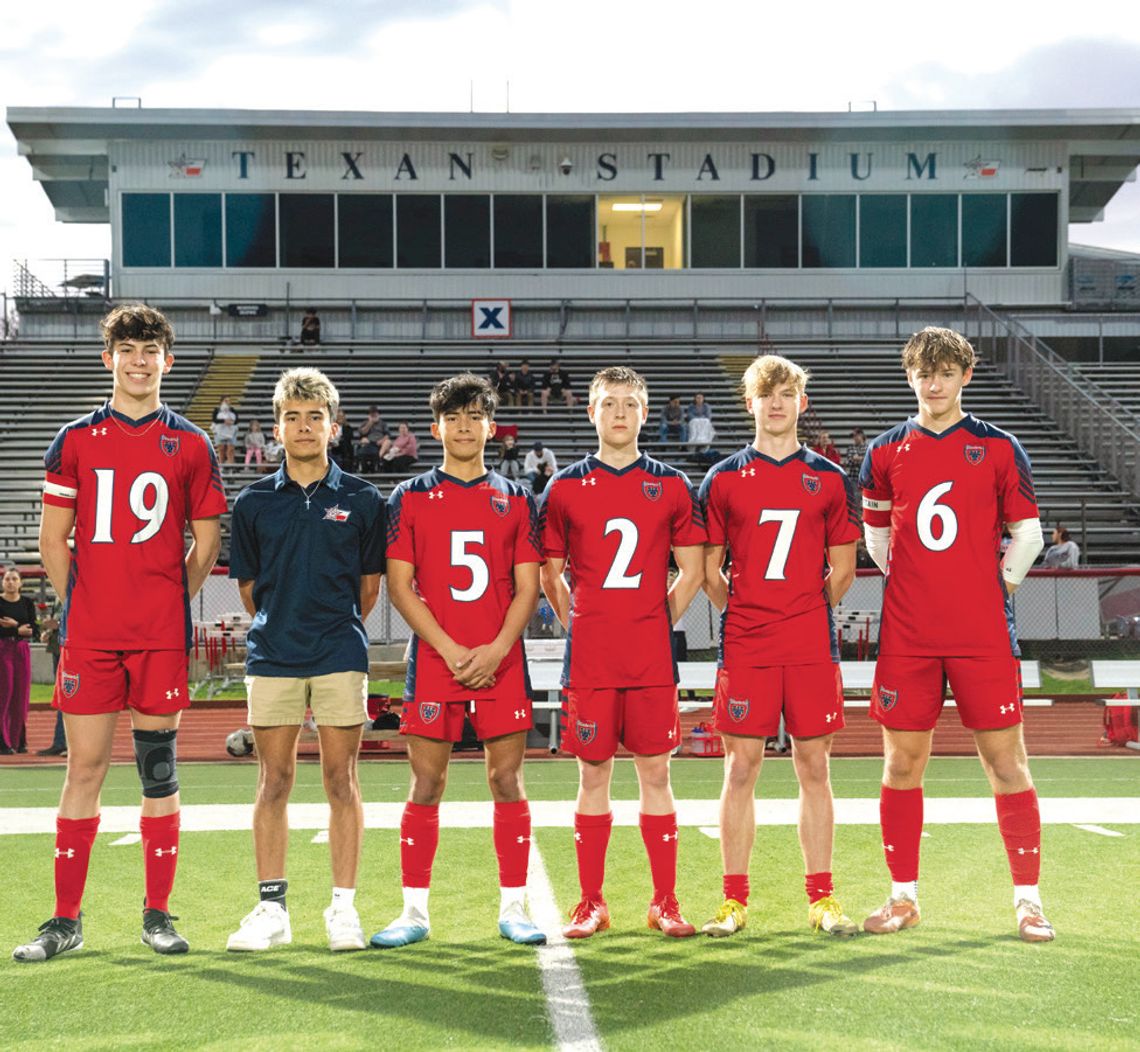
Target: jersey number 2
(151,511)
(619,575)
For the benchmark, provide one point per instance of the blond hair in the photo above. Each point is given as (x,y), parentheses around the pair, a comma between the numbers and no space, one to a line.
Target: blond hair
(304,385)
(933,347)
(619,376)
(770,371)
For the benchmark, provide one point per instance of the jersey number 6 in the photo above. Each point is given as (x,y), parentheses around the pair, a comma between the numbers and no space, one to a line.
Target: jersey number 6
(928,510)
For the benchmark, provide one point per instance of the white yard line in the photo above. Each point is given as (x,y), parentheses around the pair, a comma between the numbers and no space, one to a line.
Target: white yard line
(567,1002)
(1089,828)
(127,838)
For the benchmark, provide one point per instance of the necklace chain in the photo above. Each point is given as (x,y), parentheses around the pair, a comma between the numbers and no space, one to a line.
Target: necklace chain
(309,494)
(130,431)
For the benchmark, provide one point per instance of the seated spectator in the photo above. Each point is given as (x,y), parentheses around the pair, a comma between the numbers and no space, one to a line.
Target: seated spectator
(826,448)
(701,431)
(539,466)
(255,444)
(510,463)
(225,430)
(310,327)
(557,383)
(399,454)
(341,447)
(856,452)
(525,382)
(1064,553)
(503,381)
(673,427)
(369,436)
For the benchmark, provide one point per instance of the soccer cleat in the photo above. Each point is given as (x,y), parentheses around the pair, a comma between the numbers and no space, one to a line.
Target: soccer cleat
(410,926)
(729,919)
(514,924)
(159,934)
(827,915)
(1031,923)
(665,914)
(58,935)
(589,916)
(342,923)
(893,915)
(266,925)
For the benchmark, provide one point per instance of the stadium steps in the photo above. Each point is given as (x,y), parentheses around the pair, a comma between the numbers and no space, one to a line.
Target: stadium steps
(227,376)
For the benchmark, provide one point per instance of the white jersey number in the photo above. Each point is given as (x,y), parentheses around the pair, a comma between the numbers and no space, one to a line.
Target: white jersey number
(787,518)
(928,510)
(619,577)
(149,497)
(460,556)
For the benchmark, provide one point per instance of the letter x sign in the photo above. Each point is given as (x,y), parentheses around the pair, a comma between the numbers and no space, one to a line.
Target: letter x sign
(491,319)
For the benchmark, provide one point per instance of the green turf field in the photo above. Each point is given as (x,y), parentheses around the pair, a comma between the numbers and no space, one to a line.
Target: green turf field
(960,980)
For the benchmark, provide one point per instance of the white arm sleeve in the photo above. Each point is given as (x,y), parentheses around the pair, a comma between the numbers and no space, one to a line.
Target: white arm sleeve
(1025,545)
(878,540)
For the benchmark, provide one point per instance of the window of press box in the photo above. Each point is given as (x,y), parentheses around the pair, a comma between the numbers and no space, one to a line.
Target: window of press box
(251,230)
(467,230)
(518,231)
(882,230)
(934,230)
(984,230)
(418,239)
(197,230)
(829,230)
(307,230)
(714,240)
(364,230)
(570,231)
(1033,230)
(641,232)
(771,231)
(146,230)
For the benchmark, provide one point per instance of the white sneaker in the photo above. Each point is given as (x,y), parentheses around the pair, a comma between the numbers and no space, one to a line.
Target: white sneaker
(267,925)
(343,926)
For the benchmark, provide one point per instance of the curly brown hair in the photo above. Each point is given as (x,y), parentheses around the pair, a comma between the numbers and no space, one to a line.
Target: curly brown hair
(136,321)
(933,347)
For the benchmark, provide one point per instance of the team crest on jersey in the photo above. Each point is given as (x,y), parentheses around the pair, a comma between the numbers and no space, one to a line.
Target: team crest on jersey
(337,514)
(586,731)
(169,444)
(500,505)
(429,711)
(888,699)
(975,454)
(811,482)
(738,708)
(652,490)
(69,683)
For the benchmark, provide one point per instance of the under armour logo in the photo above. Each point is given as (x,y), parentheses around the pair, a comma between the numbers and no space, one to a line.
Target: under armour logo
(520,714)
(173,694)
(577,836)
(158,852)
(410,841)
(1003,709)
(831,716)
(747,471)
(589,482)
(668,836)
(906,448)
(522,840)
(435,494)
(69,853)
(671,735)
(889,847)
(98,431)
(1031,851)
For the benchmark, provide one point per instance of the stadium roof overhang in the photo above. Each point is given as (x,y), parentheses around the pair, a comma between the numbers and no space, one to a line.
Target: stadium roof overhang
(67,147)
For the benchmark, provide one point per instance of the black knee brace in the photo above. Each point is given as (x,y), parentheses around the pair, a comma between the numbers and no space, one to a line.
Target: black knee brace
(157,762)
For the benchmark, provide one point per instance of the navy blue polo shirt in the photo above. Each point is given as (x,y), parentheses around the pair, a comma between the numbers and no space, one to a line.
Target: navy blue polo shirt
(306,564)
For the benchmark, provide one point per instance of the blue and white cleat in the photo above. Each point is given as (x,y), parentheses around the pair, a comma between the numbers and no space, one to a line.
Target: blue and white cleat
(410,926)
(514,924)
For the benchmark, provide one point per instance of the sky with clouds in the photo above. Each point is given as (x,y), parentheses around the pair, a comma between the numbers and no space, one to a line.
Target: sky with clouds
(594,55)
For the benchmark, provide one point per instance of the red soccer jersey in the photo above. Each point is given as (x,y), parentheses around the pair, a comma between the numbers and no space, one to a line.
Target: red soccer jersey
(778,518)
(464,539)
(945,497)
(615,530)
(134,485)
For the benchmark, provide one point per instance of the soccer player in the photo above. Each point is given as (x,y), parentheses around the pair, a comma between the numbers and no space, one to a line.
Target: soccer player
(610,521)
(463,555)
(937,490)
(790,519)
(307,551)
(129,478)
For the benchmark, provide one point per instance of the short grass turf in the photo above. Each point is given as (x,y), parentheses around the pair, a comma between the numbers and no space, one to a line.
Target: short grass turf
(959,980)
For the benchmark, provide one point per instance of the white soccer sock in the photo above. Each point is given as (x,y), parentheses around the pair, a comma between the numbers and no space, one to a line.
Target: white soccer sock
(416,899)
(1026,891)
(509,897)
(905,889)
(343,896)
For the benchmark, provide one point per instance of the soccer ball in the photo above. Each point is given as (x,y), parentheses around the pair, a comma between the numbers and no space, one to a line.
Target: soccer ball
(240,742)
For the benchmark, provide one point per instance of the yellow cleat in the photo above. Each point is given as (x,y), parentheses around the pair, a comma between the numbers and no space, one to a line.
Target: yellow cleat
(827,915)
(730,918)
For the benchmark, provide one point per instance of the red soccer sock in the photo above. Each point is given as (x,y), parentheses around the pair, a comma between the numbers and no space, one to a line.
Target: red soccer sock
(736,887)
(419,837)
(818,885)
(511,832)
(660,835)
(900,815)
(160,858)
(591,838)
(1019,820)
(73,840)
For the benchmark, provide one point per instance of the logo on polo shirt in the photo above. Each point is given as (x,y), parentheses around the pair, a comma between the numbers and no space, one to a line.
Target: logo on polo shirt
(335,514)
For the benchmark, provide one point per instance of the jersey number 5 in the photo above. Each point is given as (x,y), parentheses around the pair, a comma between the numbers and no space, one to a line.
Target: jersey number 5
(460,556)
(151,511)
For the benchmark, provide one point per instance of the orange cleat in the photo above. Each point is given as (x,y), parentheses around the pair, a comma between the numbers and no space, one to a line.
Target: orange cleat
(589,916)
(1031,923)
(892,916)
(665,914)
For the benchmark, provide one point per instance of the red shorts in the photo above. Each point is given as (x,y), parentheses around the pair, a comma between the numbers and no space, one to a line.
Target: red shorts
(909,691)
(442,721)
(90,682)
(643,719)
(749,701)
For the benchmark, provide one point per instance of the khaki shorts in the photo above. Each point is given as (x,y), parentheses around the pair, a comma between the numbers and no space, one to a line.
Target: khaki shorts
(339,699)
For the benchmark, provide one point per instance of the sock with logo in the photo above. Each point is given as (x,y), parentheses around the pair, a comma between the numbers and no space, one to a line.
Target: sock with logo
(160,857)
(818,885)
(591,839)
(900,816)
(419,838)
(659,833)
(73,840)
(273,891)
(1019,821)
(511,834)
